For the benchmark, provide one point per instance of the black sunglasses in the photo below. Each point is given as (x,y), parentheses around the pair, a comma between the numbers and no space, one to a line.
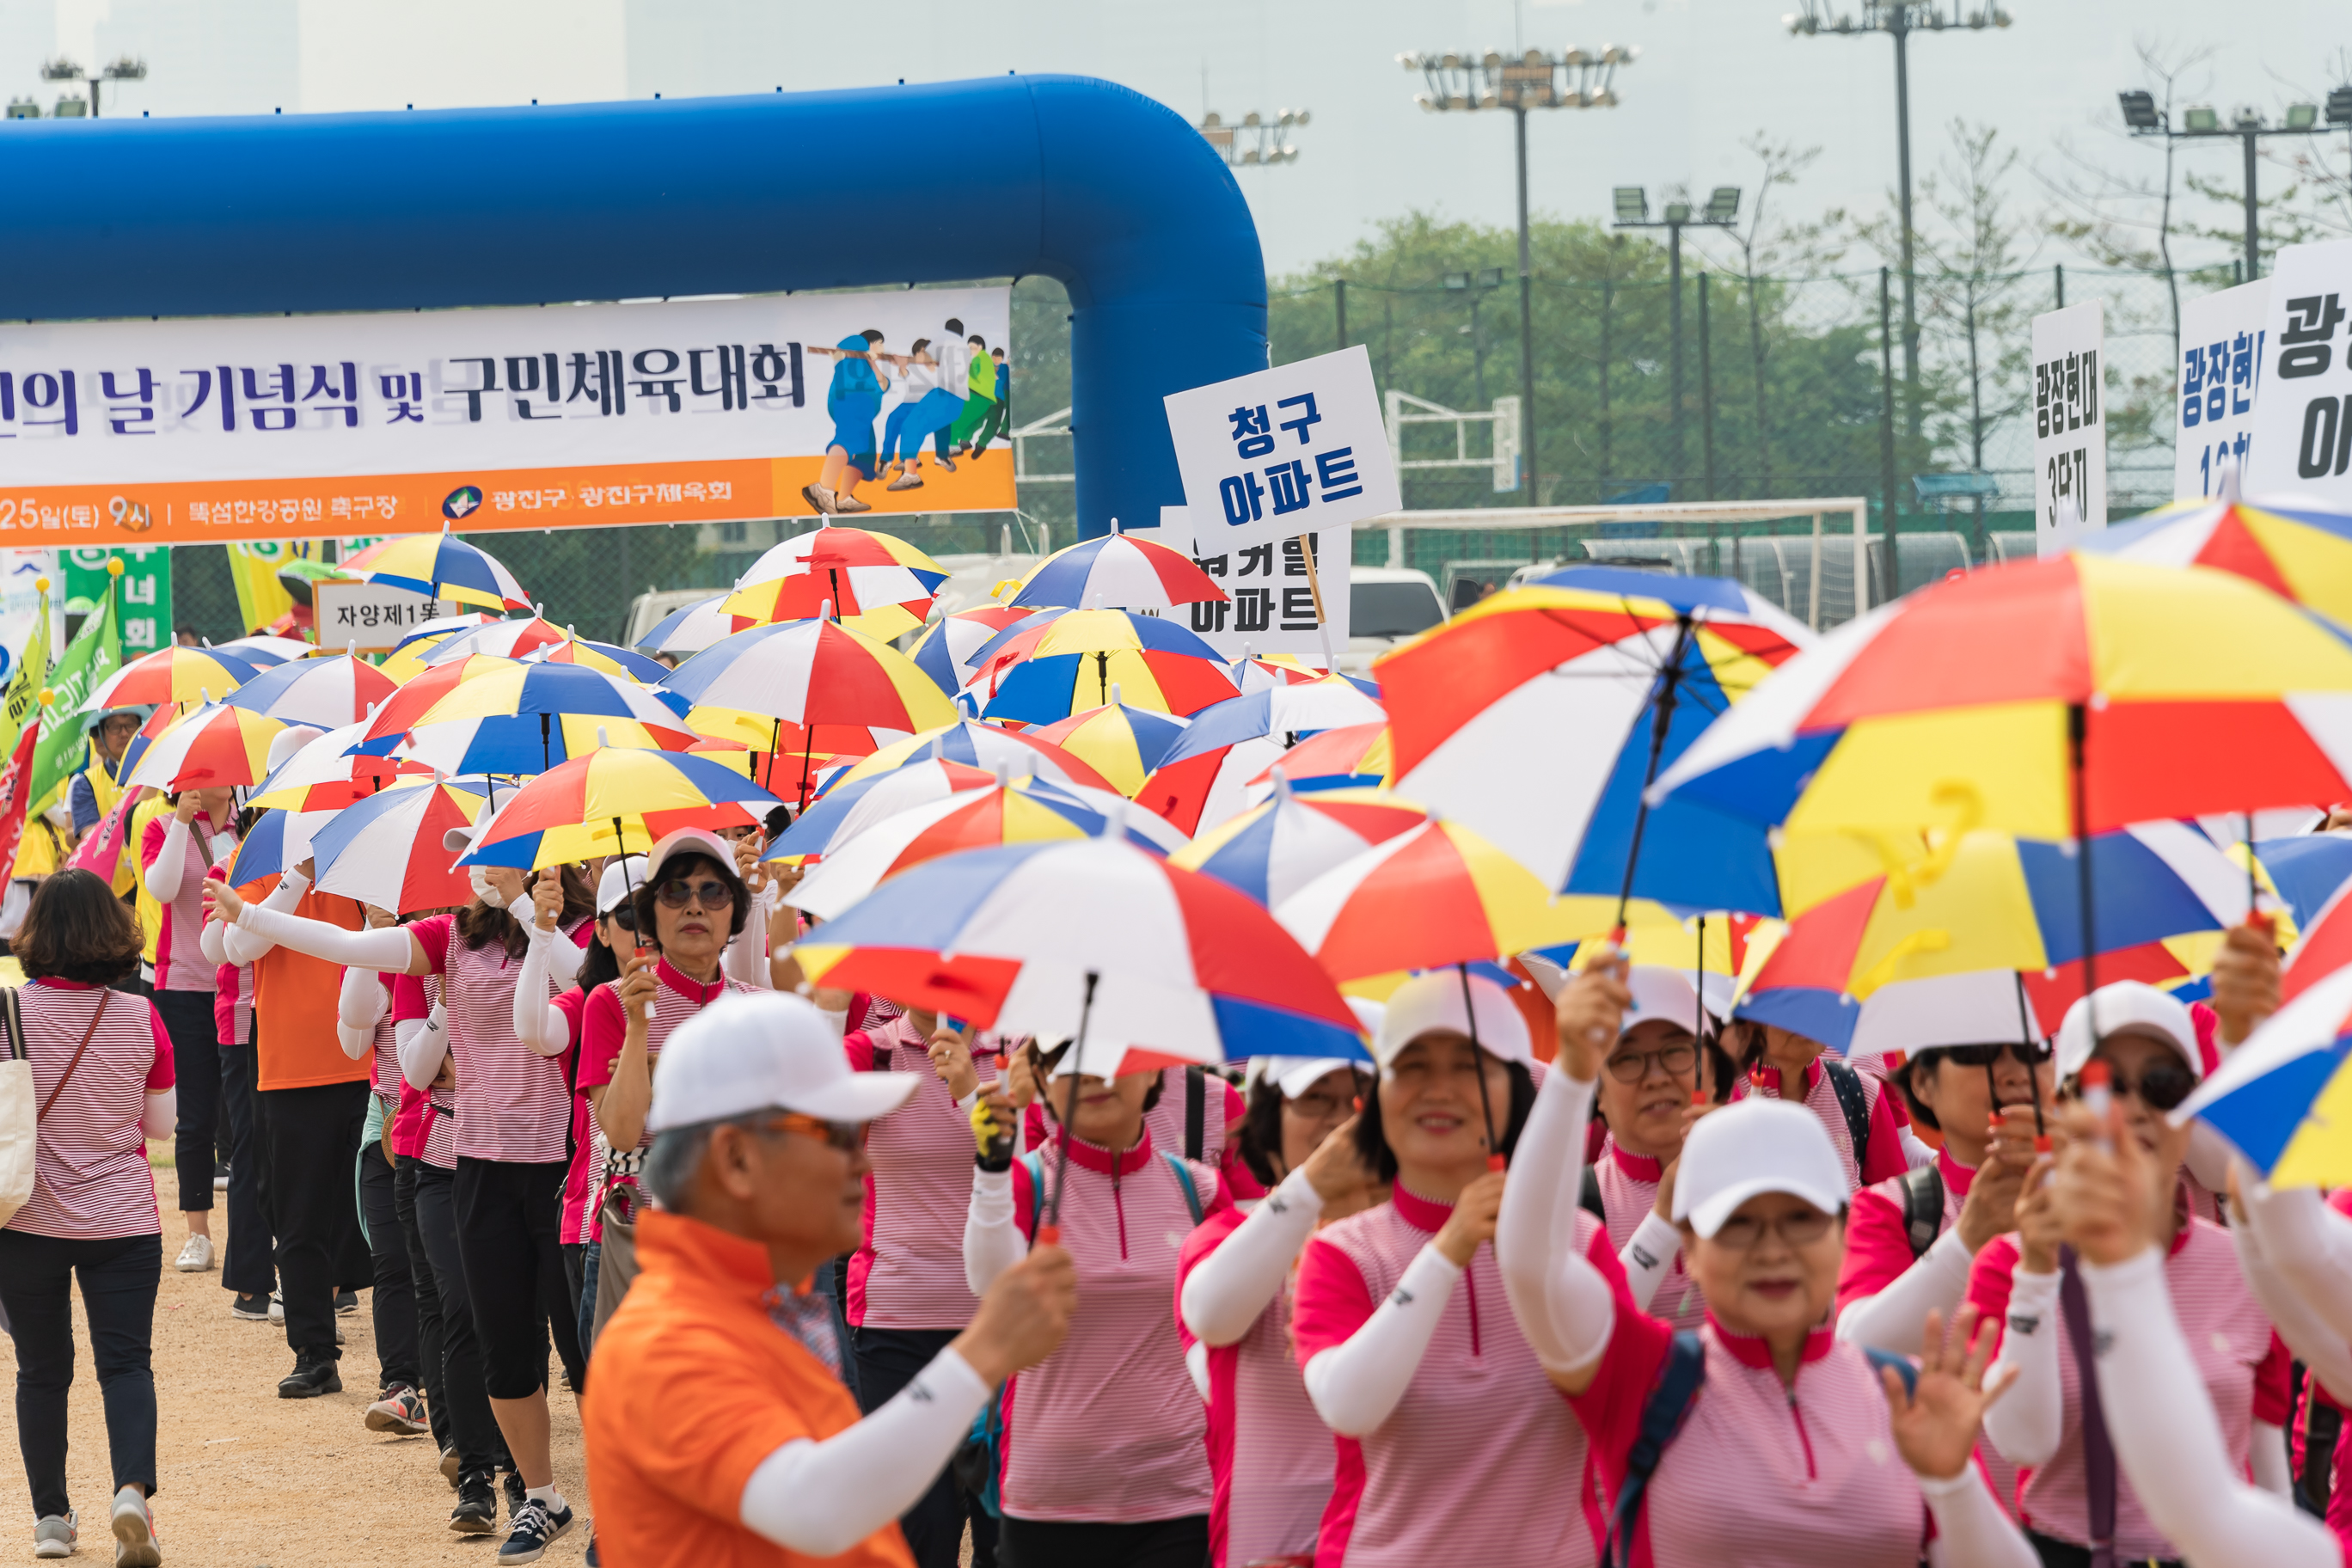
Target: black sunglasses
(674,892)
(624,915)
(2024,1055)
(2162,1087)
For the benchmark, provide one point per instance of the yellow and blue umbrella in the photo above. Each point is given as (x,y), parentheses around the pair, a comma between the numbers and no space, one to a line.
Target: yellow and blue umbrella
(874,582)
(1276,848)
(1060,662)
(2283,1099)
(1122,744)
(1117,573)
(526,718)
(613,802)
(2294,549)
(442,566)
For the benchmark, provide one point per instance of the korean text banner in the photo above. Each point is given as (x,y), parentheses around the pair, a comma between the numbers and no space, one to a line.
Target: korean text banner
(1295,449)
(2301,440)
(565,415)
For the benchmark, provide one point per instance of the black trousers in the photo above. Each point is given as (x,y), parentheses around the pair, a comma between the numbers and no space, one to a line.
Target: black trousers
(309,1137)
(509,1217)
(119,1280)
(425,1295)
(2057,1553)
(249,1263)
(197,1065)
(393,1298)
(888,1360)
(473,1430)
(1159,1543)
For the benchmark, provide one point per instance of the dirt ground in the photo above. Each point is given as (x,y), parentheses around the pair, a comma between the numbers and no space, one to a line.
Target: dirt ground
(247,1479)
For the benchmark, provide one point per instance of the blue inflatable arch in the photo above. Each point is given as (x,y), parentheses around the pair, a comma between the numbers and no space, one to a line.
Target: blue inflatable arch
(1082,179)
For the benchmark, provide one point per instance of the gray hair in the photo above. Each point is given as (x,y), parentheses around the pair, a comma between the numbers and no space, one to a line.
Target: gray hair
(667,1172)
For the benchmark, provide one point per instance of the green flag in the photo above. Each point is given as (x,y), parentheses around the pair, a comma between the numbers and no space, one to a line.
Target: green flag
(95,654)
(32,674)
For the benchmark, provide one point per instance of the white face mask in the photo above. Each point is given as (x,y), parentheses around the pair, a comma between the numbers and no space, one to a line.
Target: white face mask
(484,889)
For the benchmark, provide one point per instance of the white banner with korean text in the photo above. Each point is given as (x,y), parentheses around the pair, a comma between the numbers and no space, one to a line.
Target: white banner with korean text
(2302,441)
(2222,339)
(1300,448)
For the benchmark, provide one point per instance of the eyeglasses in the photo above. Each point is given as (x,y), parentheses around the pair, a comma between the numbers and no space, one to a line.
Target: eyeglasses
(1632,1067)
(1322,1107)
(2019,1051)
(713,894)
(624,915)
(2161,1087)
(1741,1232)
(846,1136)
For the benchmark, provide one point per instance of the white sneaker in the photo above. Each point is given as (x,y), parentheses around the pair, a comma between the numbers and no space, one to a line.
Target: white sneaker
(196,1257)
(135,1545)
(55,1534)
(277,1308)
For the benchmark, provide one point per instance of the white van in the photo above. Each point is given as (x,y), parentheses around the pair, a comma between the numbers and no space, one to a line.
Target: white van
(1386,604)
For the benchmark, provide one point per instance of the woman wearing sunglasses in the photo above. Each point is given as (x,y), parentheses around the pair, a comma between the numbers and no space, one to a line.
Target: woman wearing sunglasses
(2053,1422)
(1782,1444)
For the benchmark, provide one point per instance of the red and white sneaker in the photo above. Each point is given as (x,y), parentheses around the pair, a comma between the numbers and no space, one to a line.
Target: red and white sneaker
(401,1410)
(135,1545)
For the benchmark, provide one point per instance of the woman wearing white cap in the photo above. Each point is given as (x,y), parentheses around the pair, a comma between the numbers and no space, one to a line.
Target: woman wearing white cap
(1648,1087)
(1269,1456)
(2055,1423)
(1762,1404)
(2179,1451)
(1781,1064)
(511,1129)
(1453,1450)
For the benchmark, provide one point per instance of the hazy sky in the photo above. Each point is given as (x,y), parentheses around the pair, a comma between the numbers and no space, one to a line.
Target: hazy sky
(1712,72)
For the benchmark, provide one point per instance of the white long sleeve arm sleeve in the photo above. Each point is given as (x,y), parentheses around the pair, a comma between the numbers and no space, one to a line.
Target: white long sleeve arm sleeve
(746,958)
(2208,1157)
(164,876)
(1648,1256)
(212,943)
(2266,1457)
(2310,1246)
(1228,1290)
(159,1118)
(421,1044)
(1355,1386)
(819,1500)
(2307,1333)
(1561,1303)
(240,943)
(388,950)
(564,956)
(993,1241)
(1972,1529)
(1891,1320)
(2024,1424)
(358,1006)
(538,1023)
(2169,1441)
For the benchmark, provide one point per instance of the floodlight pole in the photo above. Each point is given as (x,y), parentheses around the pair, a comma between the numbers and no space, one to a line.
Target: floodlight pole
(1527,324)
(1899,25)
(2143,119)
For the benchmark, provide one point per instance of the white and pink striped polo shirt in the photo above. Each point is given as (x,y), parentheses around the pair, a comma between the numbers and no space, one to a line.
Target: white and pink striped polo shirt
(384,1070)
(579,1177)
(232,991)
(514,1105)
(1887,1157)
(1271,1458)
(180,960)
(1763,1474)
(1629,1194)
(1109,1429)
(2245,1368)
(1222,1106)
(1481,1461)
(908,1272)
(604,1027)
(433,1113)
(91,1177)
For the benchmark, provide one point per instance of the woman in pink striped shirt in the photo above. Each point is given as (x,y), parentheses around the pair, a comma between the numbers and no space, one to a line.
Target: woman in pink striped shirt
(1104,1461)
(1781,1064)
(174,854)
(1452,1449)
(1270,1458)
(1781,1446)
(102,1088)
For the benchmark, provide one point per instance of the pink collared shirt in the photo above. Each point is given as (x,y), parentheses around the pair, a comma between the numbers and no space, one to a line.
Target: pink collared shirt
(908,1271)
(1886,1159)
(1629,1192)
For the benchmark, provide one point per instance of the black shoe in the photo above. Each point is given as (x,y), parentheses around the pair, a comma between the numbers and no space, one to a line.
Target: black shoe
(535,1527)
(313,1376)
(517,1493)
(346,1303)
(450,1465)
(477,1512)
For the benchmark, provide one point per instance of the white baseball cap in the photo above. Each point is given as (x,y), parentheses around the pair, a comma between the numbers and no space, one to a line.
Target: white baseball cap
(1296,1075)
(1755,1146)
(1660,993)
(689,841)
(1434,1001)
(1978,1009)
(623,874)
(757,1050)
(2126,1006)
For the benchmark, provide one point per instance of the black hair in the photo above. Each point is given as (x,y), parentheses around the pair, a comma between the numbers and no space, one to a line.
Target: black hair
(599,963)
(918,345)
(479,925)
(739,909)
(1047,1060)
(1911,1065)
(955,325)
(1259,1141)
(1372,1143)
(872,334)
(778,819)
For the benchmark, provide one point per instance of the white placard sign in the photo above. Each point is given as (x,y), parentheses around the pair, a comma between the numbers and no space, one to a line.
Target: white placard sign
(1301,448)
(371,617)
(2221,341)
(1270,610)
(2069,427)
(2303,425)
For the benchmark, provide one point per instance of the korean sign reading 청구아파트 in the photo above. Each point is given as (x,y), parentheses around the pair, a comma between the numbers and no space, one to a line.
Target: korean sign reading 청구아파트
(180,431)
(1282,452)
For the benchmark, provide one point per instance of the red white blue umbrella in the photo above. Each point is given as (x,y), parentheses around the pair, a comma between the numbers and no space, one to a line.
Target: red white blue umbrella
(949,646)
(1204,778)
(1117,573)
(325,693)
(389,850)
(975,745)
(693,628)
(1273,850)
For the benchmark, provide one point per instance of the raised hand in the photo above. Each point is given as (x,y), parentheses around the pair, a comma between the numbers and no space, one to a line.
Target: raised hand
(1936,1423)
(1590,1014)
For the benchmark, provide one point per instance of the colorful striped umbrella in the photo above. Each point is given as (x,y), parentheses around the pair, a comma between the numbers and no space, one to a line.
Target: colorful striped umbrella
(946,650)
(1120,572)
(389,850)
(613,801)
(2282,1098)
(323,692)
(840,814)
(214,747)
(1122,744)
(2296,550)
(1204,777)
(1060,662)
(1273,850)
(777,755)
(262,650)
(1255,672)
(540,639)
(400,712)
(1025,812)
(526,718)
(691,629)
(878,582)
(442,566)
(279,841)
(975,745)
(172,675)
(1539,715)
(327,772)
(1094,941)
(1355,756)
(814,672)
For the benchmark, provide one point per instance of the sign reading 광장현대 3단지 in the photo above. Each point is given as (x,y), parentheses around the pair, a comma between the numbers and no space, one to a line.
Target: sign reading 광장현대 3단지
(184,431)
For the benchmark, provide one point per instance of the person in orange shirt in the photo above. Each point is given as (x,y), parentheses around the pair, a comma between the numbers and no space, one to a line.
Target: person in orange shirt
(719,1432)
